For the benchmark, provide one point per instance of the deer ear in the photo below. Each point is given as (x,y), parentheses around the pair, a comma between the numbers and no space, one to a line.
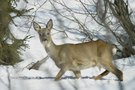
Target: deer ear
(36,26)
(49,24)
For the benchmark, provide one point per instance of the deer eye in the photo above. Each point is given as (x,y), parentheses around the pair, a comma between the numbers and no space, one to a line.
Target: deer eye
(48,33)
(40,34)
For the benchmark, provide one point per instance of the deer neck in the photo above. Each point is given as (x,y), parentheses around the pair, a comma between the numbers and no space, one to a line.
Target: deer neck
(51,48)
(50,45)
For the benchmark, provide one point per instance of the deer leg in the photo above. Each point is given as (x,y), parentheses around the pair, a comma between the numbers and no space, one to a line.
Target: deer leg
(77,74)
(117,72)
(111,68)
(59,75)
(101,75)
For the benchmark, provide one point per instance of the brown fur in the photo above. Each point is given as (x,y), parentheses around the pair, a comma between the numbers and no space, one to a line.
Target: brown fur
(75,57)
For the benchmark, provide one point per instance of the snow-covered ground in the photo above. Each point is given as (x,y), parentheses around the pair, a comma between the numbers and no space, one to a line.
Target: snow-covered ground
(20,78)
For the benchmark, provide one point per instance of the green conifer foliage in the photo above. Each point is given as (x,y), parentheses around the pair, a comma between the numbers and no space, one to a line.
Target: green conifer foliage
(9,51)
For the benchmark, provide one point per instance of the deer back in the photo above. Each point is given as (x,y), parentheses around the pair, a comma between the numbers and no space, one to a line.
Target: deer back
(72,56)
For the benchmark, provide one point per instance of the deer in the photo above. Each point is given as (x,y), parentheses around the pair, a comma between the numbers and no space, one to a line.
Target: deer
(76,57)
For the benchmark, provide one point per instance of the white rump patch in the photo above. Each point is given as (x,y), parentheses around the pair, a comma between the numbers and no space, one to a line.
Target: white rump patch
(114,50)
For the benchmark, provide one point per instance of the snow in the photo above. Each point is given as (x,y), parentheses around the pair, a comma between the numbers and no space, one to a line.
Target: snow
(43,79)
(18,77)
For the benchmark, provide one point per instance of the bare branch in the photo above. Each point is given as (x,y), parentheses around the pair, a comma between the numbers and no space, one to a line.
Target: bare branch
(39,63)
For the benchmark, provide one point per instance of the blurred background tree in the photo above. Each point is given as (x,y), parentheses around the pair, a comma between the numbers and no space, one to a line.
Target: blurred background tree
(9,45)
(115,17)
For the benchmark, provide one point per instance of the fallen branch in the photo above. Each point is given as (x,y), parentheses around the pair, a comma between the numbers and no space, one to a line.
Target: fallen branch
(38,63)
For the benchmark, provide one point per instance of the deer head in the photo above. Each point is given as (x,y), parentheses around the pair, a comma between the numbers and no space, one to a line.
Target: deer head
(44,33)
